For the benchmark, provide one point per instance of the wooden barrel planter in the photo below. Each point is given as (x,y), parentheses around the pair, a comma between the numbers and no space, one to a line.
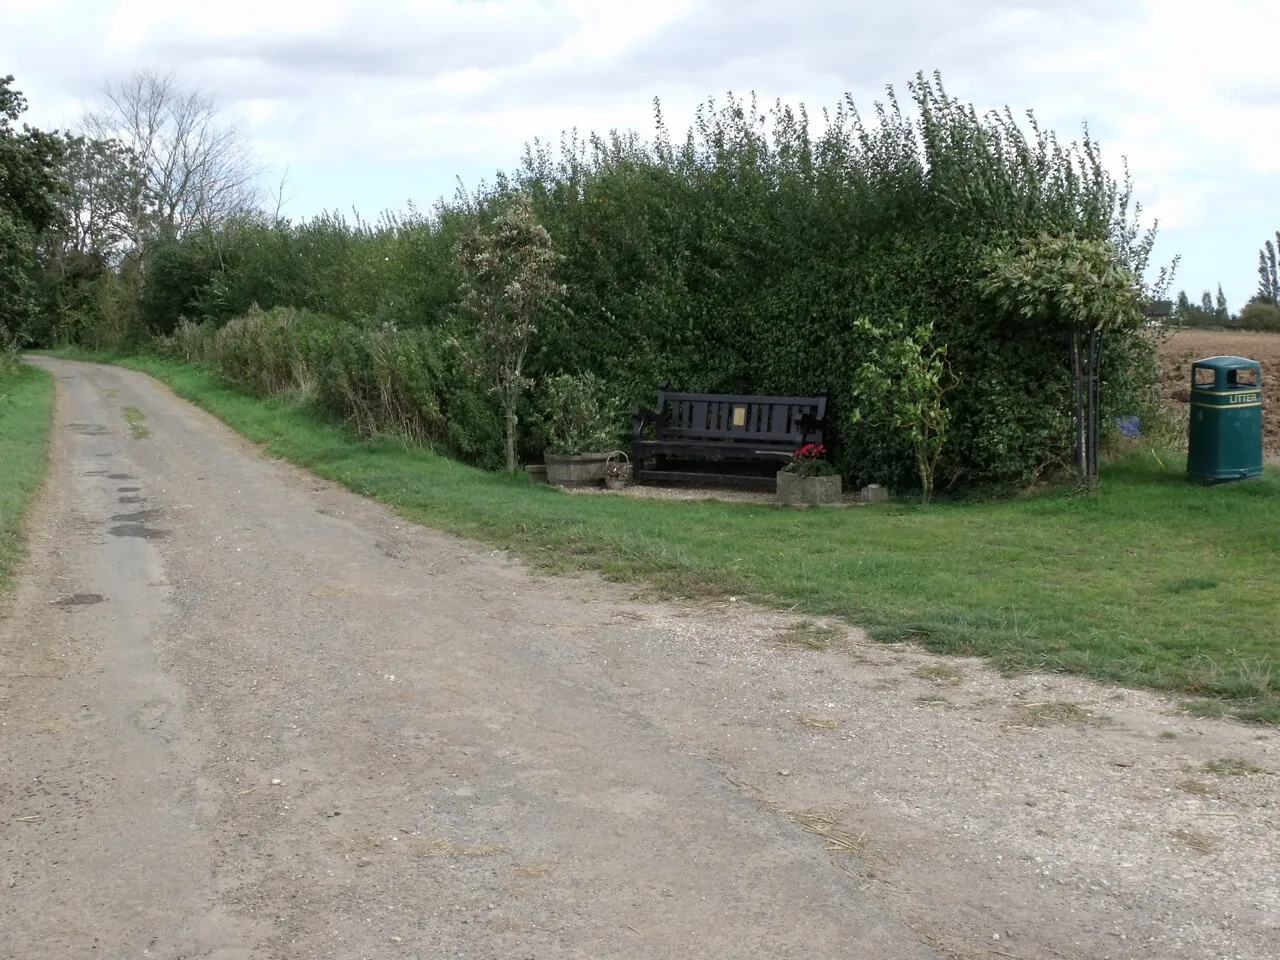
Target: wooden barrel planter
(576,470)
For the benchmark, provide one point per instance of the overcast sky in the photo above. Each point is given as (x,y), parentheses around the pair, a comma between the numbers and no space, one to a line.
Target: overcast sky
(371,105)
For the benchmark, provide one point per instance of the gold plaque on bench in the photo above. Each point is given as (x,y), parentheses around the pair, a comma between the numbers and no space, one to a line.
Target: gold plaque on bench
(739,416)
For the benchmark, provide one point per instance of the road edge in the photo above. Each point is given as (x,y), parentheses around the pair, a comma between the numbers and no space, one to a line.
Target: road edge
(28,409)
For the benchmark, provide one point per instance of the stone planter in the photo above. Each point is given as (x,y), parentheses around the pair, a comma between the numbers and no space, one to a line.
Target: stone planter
(576,470)
(874,493)
(807,491)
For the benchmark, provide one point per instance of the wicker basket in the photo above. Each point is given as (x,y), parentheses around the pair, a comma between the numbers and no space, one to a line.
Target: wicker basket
(617,470)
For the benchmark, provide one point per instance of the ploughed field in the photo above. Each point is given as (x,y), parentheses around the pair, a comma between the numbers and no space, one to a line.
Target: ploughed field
(1179,350)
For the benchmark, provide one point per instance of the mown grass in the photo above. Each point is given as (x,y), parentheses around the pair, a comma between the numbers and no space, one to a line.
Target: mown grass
(26,417)
(1153,582)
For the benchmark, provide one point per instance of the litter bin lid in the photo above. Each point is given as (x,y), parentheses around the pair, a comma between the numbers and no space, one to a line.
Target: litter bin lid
(1227,363)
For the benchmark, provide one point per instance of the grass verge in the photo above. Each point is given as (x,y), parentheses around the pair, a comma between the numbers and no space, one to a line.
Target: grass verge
(1153,582)
(26,417)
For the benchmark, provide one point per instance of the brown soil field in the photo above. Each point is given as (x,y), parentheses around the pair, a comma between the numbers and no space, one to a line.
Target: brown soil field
(1178,350)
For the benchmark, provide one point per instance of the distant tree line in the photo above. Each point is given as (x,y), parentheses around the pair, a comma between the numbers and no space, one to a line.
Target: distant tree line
(1262,312)
(83,213)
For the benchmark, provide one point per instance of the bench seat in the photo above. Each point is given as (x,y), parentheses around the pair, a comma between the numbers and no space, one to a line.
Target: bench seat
(723,438)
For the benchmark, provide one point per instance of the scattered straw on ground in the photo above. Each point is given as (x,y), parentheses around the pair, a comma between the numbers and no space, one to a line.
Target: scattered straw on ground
(814,722)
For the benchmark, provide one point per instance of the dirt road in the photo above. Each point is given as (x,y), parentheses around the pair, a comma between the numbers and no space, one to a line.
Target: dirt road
(246,714)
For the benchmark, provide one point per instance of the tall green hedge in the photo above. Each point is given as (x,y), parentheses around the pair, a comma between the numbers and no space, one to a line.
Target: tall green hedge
(738,258)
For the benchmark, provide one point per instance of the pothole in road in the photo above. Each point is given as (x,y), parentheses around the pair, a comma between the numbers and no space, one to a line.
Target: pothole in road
(79,600)
(132,500)
(137,516)
(127,489)
(94,473)
(89,429)
(137,530)
(121,476)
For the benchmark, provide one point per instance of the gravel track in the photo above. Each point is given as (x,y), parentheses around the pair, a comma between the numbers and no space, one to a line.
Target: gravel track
(247,714)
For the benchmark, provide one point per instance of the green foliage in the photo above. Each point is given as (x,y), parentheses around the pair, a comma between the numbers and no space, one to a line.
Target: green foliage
(810,461)
(904,383)
(1210,312)
(577,416)
(10,353)
(1064,282)
(178,273)
(507,269)
(400,270)
(88,285)
(28,164)
(380,380)
(1268,275)
(734,259)
(257,352)
(190,342)
(29,189)
(1069,284)
(1260,315)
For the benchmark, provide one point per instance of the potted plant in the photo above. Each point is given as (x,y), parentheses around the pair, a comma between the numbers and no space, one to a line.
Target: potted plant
(580,428)
(808,478)
(617,470)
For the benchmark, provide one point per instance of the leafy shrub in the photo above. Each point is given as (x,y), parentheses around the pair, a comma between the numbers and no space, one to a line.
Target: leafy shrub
(474,427)
(576,415)
(381,380)
(810,461)
(734,260)
(1260,315)
(904,383)
(189,342)
(389,382)
(257,351)
(10,352)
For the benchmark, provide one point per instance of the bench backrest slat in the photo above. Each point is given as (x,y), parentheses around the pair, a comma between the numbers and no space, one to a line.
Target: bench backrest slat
(707,416)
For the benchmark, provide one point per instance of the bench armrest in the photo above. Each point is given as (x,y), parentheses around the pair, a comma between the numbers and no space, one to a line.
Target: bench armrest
(809,423)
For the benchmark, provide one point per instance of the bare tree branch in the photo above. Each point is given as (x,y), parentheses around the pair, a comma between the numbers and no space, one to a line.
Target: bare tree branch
(278,195)
(194,172)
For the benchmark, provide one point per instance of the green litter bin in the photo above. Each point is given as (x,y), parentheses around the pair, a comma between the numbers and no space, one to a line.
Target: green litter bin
(1225,441)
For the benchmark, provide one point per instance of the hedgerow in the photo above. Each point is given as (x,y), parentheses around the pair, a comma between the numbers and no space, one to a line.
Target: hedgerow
(735,259)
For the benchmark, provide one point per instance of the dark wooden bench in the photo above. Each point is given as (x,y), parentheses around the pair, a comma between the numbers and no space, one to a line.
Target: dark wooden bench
(723,438)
